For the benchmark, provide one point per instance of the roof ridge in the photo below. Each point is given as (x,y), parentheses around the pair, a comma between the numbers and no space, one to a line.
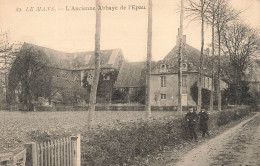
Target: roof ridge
(26,43)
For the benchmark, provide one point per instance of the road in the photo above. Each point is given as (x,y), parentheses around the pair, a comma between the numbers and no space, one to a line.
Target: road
(239,145)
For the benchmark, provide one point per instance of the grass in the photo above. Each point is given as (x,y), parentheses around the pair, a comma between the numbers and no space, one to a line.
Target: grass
(137,143)
(106,143)
(17,128)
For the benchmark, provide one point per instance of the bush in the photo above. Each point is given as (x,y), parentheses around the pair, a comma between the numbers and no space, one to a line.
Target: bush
(124,145)
(204,92)
(224,118)
(130,143)
(232,114)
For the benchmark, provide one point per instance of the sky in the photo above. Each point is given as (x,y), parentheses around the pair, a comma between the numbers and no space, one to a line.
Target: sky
(74,31)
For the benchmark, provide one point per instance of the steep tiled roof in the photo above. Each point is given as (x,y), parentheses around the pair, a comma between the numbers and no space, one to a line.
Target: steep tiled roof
(191,57)
(79,60)
(131,74)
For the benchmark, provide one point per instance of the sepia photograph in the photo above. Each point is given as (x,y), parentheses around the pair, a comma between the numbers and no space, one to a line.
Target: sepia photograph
(130,83)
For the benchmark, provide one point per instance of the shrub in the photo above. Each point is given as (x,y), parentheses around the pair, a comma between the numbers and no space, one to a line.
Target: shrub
(232,114)
(124,145)
(224,118)
(204,92)
(130,143)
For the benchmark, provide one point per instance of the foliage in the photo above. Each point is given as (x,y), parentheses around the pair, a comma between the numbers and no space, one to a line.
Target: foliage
(205,94)
(22,127)
(118,137)
(86,83)
(105,85)
(227,116)
(127,143)
(119,96)
(138,96)
(29,77)
(238,93)
(240,43)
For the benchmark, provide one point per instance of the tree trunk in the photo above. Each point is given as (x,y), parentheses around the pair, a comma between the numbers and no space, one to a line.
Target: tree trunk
(180,33)
(201,57)
(93,93)
(211,103)
(148,61)
(219,89)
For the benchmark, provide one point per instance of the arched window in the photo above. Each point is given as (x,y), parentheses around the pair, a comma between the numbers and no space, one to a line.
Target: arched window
(163,68)
(184,67)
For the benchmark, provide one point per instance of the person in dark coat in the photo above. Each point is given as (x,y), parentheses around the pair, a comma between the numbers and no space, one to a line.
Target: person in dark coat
(204,117)
(191,117)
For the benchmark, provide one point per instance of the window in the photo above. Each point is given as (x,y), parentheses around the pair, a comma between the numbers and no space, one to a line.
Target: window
(184,84)
(208,83)
(163,81)
(163,68)
(184,67)
(163,96)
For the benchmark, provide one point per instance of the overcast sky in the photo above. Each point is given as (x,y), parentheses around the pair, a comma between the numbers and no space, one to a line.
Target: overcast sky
(73,31)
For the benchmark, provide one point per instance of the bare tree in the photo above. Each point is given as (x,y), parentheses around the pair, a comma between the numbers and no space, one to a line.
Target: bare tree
(8,53)
(240,43)
(213,55)
(148,61)
(93,93)
(198,11)
(210,18)
(223,15)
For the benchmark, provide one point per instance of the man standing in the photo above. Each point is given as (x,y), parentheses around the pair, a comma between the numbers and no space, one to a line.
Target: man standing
(191,117)
(204,122)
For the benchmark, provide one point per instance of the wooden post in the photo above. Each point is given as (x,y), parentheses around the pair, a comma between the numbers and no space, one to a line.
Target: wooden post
(148,63)
(75,150)
(31,154)
(78,151)
(180,54)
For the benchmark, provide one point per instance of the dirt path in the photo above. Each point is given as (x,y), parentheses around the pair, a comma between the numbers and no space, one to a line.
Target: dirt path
(239,145)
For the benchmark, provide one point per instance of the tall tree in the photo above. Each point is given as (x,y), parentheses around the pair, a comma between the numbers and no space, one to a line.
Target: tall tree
(30,74)
(198,11)
(93,93)
(240,43)
(8,53)
(180,42)
(210,17)
(224,14)
(148,61)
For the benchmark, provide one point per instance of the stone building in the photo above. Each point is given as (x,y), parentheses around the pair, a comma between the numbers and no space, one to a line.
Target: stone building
(67,71)
(164,77)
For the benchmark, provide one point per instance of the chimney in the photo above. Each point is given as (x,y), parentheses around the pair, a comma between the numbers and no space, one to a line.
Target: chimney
(183,38)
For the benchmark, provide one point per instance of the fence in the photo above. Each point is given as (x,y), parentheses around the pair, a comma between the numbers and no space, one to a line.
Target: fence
(9,159)
(60,152)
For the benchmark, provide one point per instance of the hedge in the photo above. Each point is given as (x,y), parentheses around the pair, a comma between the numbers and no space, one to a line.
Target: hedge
(128,143)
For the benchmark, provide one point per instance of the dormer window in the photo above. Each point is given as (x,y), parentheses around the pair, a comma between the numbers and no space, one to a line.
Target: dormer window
(184,66)
(164,68)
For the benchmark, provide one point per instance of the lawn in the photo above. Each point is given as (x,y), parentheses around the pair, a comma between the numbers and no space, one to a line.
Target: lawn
(17,128)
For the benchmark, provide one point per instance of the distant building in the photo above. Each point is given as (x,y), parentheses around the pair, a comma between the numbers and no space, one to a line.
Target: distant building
(164,77)
(69,69)
(130,83)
